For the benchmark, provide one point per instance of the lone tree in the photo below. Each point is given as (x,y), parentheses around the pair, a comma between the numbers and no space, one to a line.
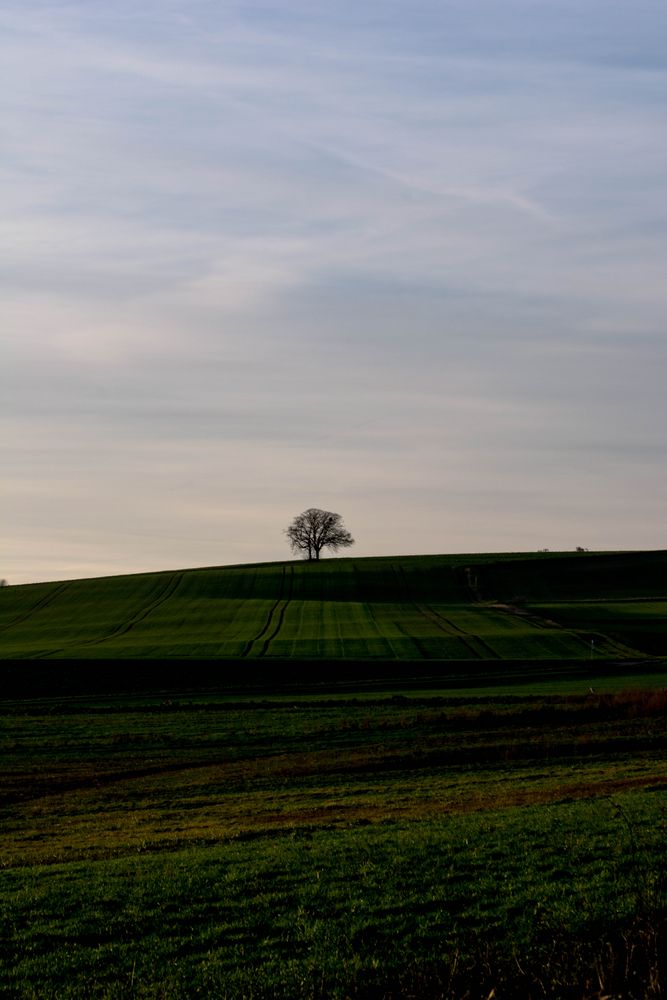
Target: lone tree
(314,530)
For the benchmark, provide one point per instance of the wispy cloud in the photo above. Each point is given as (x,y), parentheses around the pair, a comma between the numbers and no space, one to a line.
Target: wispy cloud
(256,258)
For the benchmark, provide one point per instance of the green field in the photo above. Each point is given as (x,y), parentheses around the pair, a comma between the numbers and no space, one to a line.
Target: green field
(540,607)
(373,779)
(393,846)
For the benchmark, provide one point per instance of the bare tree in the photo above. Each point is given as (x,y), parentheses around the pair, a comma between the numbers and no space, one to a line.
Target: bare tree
(314,530)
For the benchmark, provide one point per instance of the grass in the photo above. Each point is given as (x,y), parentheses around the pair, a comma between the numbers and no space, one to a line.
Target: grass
(277,849)
(542,607)
(492,904)
(631,622)
(439,777)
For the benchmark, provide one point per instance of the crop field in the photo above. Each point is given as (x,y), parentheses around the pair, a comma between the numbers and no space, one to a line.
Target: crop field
(375,846)
(423,777)
(540,607)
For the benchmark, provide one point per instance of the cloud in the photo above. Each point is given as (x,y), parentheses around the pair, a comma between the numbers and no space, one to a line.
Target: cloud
(406,267)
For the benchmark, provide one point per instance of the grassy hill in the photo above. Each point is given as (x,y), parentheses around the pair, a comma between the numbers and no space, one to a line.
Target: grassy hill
(363,778)
(540,607)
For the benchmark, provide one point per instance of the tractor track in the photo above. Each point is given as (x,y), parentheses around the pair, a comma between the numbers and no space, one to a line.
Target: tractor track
(168,591)
(465,636)
(42,603)
(512,611)
(445,625)
(549,625)
(274,618)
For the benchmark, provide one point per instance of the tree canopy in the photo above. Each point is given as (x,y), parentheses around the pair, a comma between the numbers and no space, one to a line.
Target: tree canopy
(314,530)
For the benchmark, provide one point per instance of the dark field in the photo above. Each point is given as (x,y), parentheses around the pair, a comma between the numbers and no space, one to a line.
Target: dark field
(399,846)
(266,827)
(476,608)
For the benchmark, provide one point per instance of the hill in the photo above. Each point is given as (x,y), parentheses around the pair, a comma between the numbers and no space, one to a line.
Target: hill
(254,781)
(476,608)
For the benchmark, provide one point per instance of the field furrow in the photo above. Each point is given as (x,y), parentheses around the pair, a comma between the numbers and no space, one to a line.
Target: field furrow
(52,594)
(124,627)
(394,609)
(267,625)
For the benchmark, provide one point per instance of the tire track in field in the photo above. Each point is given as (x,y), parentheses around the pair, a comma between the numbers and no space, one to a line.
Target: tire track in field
(419,646)
(404,592)
(43,602)
(380,634)
(470,641)
(465,635)
(445,625)
(281,613)
(171,588)
(549,625)
(368,607)
(168,591)
(537,622)
(269,620)
(512,611)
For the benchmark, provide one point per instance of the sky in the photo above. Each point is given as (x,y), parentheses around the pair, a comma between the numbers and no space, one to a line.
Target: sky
(404,262)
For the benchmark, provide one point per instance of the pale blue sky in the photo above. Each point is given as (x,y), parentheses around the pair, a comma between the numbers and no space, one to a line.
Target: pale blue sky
(404,262)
